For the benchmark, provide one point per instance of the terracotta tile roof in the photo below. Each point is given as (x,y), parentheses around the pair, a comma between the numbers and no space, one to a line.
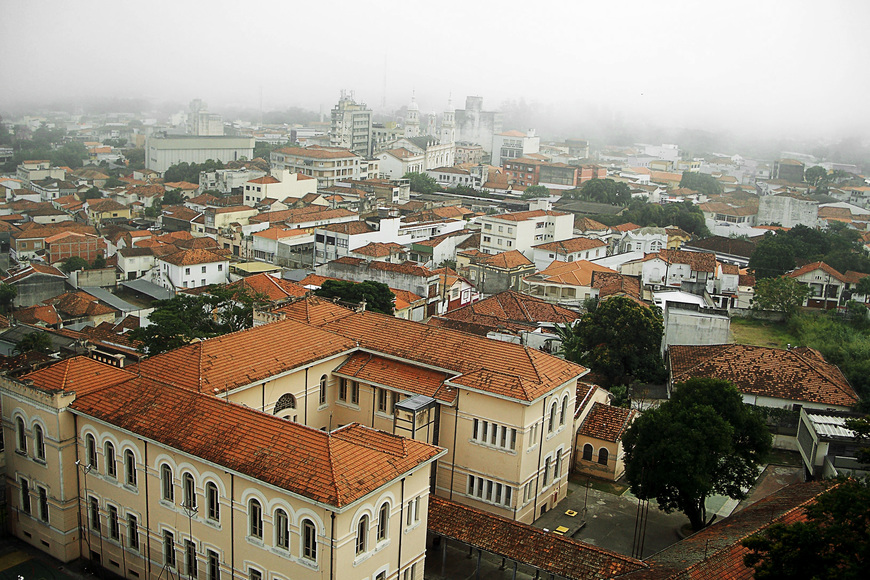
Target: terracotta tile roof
(769,372)
(334,468)
(715,552)
(729,269)
(192,257)
(556,555)
(488,365)
(32,270)
(103,205)
(746,280)
(379,249)
(697,261)
(816,266)
(610,284)
(202,199)
(245,357)
(572,245)
(606,423)
(317,152)
(507,260)
(79,304)
(147,190)
(349,228)
(401,153)
(180,212)
(265,180)
(80,375)
(302,214)
(853,277)
(626,227)
(585,391)
(313,309)
(512,311)
(578,273)
(723,245)
(271,287)
(526,215)
(383,372)
(32,230)
(45,314)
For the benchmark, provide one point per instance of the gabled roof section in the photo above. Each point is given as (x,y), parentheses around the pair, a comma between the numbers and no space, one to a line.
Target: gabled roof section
(193,257)
(317,152)
(507,260)
(556,555)
(577,273)
(817,266)
(512,310)
(578,244)
(606,423)
(460,353)
(794,375)
(81,375)
(374,369)
(335,468)
(314,310)
(271,287)
(242,358)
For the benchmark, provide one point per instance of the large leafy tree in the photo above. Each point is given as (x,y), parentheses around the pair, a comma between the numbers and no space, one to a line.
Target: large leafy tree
(620,340)
(377,295)
(8,292)
(602,191)
(177,321)
(816,175)
(35,341)
(421,183)
(533,191)
(703,441)
(832,544)
(701,183)
(773,256)
(781,294)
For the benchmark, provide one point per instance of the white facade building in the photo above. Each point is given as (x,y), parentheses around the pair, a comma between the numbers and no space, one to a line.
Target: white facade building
(513,144)
(522,231)
(192,269)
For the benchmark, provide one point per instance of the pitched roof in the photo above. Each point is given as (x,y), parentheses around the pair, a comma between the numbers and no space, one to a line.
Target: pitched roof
(697,261)
(192,257)
(526,215)
(379,249)
(817,266)
(317,152)
(501,368)
(242,358)
(80,375)
(578,244)
(313,310)
(512,311)
(271,287)
(32,270)
(557,555)
(39,313)
(507,260)
(606,422)
(611,284)
(334,468)
(627,227)
(794,375)
(79,304)
(349,228)
(377,370)
(578,273)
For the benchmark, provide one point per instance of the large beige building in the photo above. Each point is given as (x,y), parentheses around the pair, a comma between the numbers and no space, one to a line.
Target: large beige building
(162,152)
(305,446)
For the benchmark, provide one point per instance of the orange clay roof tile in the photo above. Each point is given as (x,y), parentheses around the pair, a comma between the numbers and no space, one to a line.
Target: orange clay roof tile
(606,423)
(377,370)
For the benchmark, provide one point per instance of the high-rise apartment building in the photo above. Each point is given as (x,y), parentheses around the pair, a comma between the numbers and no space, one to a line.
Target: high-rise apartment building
(351,126)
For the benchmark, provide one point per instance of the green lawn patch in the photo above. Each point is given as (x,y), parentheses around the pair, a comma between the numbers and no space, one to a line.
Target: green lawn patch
(761,333)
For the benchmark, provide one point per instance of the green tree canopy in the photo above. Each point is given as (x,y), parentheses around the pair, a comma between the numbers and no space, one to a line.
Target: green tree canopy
(534,191)
(378,296)
(816,175)
(173,197)
(704,440)
(74,263)
(701,182)
(863,286)
(838,246)
(421,182)
(93,193)
(684,215)
(832,544)
(8,292)
(772,257)
(177,321)
(619,340)
(35,341)
(189,172)
(781,294)
(601,191)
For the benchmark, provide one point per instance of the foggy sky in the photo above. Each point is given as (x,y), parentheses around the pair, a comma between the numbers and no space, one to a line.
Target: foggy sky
(796,67)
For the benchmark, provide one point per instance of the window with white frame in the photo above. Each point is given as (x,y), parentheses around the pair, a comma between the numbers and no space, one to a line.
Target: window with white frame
(43,503)
(189,491)
(168,549)
(552,422)
(533,435)
(494,434)
(564,412)
(39,442)
(362,532)
(111,468)
(255,519)
(91,450)
(133,532)
(309,540)
(190,558)
(166,485)
(21,435)
(322,398)
(25,495)
(114,526)
(383,521)
(94,513)
(130,468)
(489,490)
(212,501)
(282,529)
(546,476)
(214,565)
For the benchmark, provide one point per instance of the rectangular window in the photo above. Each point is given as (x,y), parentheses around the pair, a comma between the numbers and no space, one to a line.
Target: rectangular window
(546,479)
(25,496)
(114,528)
(203,269)
(342,389)
(43,504)
(255,575)
(214,566)
(190,558)
(382,400)
(94,513)
(133,532)
(354,392)
(169,549)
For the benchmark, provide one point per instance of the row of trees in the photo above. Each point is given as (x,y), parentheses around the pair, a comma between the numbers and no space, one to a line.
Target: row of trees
(838,246)
(685,215)
(189,172)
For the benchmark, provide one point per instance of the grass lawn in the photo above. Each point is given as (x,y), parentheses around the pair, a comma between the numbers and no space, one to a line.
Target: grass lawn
(761,333)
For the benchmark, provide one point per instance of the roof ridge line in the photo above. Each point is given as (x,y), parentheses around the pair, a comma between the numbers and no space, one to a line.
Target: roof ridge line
(820,373)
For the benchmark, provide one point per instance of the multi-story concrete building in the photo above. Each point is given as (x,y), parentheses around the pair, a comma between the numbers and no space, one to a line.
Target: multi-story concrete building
(201,122)
(523,230)
(326,164)
(513,144)
(351,126)
(788,170)
(164,151)
(280,185)
(149,478)
(192,269)
(467,152)
(36,170)
(227,180)
(476,125)
(788,210)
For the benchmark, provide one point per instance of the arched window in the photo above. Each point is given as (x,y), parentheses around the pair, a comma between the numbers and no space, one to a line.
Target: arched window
(322,399)
(255,519)
(111,470)
(383,521)
(309,540)
(189,489)
(655,246)
(21,433)
(362,531)
(563,414)
(552,424)
(602,456)
(130,468)
(39,442)
(212,501)
(282,529)
(166,482)
(287,401)
(587,452)
(91,446)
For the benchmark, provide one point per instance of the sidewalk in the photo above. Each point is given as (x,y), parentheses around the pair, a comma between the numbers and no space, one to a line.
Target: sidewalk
(21,560)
